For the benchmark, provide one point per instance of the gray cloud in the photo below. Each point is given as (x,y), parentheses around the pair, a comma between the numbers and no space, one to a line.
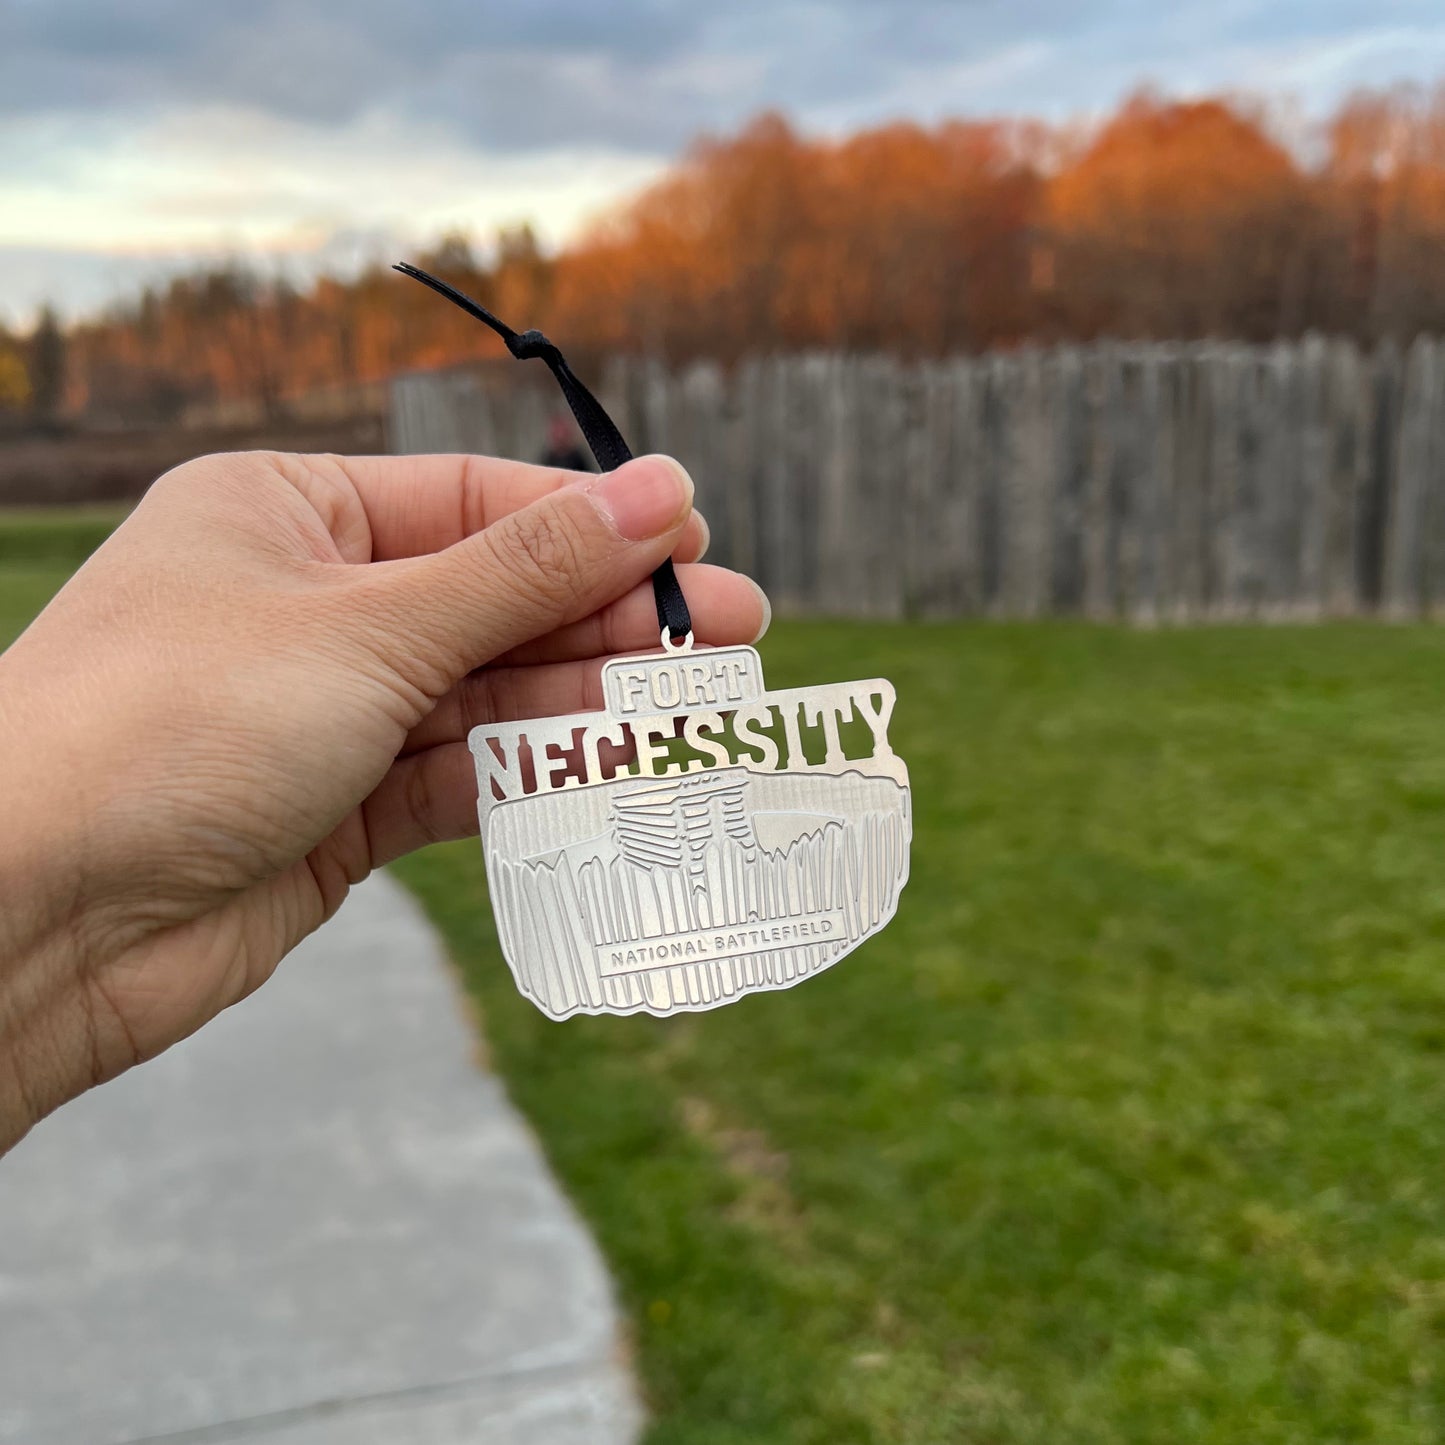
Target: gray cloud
(498,84)
(635,74)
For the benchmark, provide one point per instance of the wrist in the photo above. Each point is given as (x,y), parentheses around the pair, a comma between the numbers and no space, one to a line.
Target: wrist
(41,993)
(50,1048)
(34,881)
(38,783)
(37,992)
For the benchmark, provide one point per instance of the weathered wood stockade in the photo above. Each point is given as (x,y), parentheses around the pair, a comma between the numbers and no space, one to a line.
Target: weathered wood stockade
(1157,483)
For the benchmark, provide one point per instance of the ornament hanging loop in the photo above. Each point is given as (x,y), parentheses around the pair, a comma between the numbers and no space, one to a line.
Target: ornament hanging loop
(673,645)
(607,443)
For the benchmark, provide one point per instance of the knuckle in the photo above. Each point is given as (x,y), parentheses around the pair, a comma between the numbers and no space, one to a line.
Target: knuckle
(484,698)
(420,800)
(374,624)
(474,701)
(199,474)
(223,477)
(545,555)
(609,632)
(593,699)
(503,696)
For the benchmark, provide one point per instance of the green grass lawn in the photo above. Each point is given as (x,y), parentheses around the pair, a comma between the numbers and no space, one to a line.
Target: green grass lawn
(1131,1127)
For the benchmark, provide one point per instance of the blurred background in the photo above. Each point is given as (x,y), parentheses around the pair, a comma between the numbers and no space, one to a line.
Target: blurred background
(1003,341)
(197,211)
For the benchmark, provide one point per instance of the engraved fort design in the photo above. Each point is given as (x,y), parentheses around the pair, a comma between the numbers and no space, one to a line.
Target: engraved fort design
(683,882)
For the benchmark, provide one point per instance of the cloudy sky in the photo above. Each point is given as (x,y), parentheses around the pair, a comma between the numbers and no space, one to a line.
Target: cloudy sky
(136,135)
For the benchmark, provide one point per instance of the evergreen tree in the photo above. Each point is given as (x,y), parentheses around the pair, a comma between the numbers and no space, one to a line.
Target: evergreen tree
(47,367)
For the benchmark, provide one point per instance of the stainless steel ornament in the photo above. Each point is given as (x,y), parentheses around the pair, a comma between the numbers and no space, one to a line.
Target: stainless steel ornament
(698,839)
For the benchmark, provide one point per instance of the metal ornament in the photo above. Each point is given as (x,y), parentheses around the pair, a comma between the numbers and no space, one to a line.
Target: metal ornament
(697,840)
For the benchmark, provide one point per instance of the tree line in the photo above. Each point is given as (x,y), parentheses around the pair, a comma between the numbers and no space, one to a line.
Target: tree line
(1177,220)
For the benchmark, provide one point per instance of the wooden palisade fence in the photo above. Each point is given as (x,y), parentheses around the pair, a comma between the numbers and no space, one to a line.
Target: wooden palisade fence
(1150,482)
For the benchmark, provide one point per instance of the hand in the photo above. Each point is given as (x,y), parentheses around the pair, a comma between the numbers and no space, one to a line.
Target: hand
(259,690)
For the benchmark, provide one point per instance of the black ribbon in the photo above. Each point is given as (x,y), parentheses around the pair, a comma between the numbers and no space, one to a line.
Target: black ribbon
(600,430)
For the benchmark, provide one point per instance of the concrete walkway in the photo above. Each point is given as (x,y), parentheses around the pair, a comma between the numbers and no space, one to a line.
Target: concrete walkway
(315,1222)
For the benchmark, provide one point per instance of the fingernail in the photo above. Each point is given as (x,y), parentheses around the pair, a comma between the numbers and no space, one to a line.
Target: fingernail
(767,611)
(706,535)
(645,498)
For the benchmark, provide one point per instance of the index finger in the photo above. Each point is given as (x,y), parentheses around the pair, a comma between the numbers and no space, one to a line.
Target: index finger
(416,505)
(422,504)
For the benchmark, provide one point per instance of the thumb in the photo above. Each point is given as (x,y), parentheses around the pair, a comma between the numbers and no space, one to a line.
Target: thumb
(559,559)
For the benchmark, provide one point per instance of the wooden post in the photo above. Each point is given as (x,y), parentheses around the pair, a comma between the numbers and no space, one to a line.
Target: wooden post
(1403,590)
(1103,398)
(1346,426)
(1070,461)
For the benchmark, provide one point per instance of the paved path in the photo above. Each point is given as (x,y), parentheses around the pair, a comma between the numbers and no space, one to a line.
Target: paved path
(316,1222)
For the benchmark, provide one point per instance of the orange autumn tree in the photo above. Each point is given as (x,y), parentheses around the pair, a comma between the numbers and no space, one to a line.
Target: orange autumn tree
(705,259)
(1178,220)
(1169,220)
(1384,195)
(897,239)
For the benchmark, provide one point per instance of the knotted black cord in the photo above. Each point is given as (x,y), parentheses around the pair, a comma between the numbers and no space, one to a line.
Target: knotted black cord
(600,430)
